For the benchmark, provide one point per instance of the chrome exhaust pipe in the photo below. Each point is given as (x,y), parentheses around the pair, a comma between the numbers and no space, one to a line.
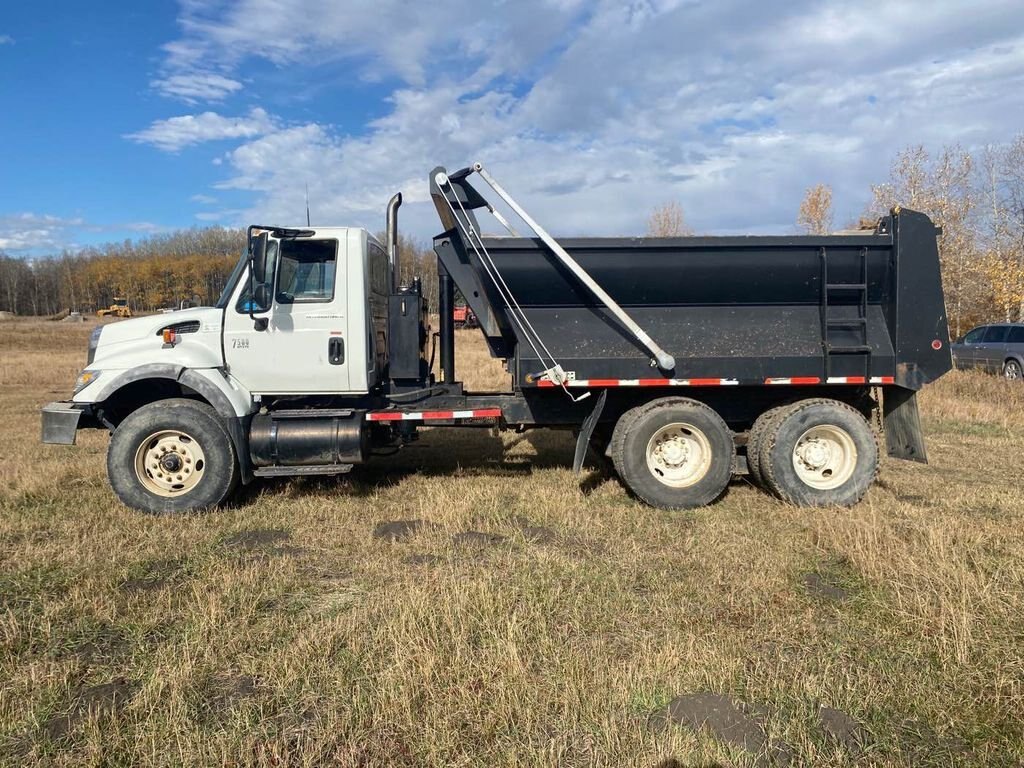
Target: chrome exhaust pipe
(391,233)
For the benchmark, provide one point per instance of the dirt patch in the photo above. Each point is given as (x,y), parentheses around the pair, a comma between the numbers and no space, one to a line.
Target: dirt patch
(842,730)
(400,530)
(258,544)
(921,741)
(718,713)
(824,587)
(478,538)
(230,690)
(98,701)
(734,722)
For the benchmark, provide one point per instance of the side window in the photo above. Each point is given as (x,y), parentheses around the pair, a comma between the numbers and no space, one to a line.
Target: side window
(996,334)
(307,271)
(378,268)
(245,303)
(975,336)
(1016,335)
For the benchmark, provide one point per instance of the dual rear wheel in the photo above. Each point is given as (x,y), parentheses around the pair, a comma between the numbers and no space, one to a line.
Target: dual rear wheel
(677,453)
(815,452)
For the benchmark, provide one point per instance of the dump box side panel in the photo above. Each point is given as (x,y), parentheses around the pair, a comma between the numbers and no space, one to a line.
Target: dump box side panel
(745,309)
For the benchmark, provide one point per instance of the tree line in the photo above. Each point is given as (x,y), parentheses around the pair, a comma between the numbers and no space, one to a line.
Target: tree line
(151,273)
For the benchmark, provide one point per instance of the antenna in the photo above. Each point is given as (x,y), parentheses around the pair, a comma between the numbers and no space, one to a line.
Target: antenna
(307,203)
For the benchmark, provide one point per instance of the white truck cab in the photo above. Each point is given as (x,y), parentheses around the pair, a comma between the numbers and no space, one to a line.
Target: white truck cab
(182,392)
(321,330)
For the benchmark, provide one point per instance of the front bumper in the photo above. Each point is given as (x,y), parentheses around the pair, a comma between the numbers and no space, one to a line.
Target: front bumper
(61,422)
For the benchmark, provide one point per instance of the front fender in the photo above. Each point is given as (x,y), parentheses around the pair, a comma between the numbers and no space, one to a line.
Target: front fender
(212,384)
(231,402)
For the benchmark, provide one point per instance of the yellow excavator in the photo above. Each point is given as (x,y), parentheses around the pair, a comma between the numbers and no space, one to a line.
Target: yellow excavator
(119,308)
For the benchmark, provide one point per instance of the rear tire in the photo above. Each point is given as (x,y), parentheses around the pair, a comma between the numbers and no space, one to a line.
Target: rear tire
(819,453)
(754,440)
(673,453)
(1012,370)
(172,456)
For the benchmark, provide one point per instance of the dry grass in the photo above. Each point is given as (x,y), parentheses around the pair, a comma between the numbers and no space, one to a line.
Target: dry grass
(127,639)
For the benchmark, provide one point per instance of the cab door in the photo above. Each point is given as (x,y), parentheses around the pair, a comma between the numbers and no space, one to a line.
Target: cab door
(303,349)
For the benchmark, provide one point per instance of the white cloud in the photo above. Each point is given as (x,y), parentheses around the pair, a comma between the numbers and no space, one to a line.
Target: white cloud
(174,133)
(605,110)
(193,87)
(6,40)
(203,199)
(25,232)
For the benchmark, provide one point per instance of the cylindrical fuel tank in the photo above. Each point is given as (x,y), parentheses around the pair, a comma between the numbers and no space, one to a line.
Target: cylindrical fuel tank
(290,439)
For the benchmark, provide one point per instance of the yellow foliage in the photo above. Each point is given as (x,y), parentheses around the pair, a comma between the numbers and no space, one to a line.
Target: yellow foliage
(1006,279)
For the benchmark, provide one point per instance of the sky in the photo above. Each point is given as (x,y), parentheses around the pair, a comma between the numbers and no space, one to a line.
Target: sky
(122,119)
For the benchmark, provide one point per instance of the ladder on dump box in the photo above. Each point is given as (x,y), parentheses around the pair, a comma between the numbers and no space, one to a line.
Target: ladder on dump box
(858,325)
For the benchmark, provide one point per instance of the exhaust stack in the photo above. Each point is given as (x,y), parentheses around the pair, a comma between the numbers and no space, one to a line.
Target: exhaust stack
(391,234)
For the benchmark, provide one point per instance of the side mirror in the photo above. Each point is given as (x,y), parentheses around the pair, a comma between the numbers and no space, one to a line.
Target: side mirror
(258,257)
(261,296)
(260,301)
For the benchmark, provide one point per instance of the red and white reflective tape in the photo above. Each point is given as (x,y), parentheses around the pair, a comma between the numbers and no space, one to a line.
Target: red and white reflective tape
(479,413)
(643,383)
(790,381)
(860,380)
(794,380)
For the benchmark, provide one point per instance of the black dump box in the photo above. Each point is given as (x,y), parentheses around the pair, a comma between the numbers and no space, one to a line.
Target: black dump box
(864,308)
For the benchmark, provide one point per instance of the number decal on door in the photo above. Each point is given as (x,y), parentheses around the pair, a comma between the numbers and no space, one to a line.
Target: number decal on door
(239,343)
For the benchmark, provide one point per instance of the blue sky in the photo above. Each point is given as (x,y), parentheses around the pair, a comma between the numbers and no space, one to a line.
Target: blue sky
(118,122)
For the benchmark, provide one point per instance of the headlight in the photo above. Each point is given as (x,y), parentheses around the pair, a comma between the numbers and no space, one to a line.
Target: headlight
(85,378)
(94,341)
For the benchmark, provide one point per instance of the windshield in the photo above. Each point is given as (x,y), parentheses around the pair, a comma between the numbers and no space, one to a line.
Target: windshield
(229,286)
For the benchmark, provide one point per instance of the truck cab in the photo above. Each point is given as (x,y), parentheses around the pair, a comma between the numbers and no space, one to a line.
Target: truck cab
(275,379)
(318,325)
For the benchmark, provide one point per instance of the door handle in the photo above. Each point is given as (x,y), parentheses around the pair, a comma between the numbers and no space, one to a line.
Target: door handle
(336,350)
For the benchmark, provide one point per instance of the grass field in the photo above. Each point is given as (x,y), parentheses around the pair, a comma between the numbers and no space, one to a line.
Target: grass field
(281,631)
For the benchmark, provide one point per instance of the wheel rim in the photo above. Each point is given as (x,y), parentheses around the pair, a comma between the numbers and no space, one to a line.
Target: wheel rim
(679,455)
(825,457)
(169,463)
(1012,370)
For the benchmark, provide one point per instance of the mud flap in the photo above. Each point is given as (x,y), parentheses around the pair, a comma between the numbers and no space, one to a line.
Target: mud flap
(903,436)
(586,431)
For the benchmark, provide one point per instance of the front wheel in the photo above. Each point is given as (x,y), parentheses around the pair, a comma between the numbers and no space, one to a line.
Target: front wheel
(1012,370)
(673,453)
(172,456)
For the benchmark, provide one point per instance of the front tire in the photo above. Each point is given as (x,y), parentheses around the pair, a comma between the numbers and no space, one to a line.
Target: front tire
(1012,370)
(673,453)
(819,453)
(172,456)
